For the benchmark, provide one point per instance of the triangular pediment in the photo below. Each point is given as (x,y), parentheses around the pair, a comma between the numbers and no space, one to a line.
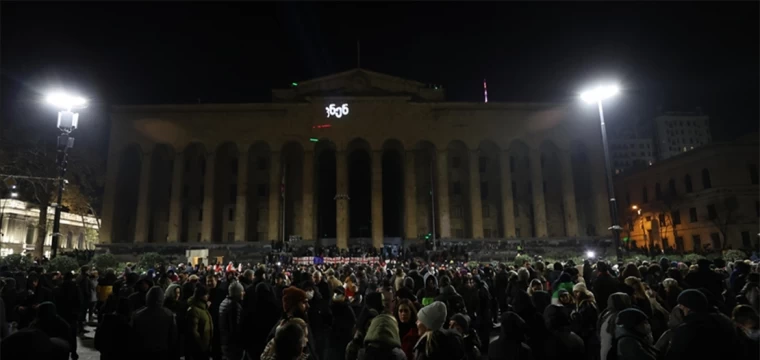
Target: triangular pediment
(356,83)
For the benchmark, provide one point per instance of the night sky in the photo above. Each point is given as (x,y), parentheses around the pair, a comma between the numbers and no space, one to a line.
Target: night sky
(669,56)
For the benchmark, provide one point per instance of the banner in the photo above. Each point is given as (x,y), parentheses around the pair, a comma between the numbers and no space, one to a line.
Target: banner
(311,260)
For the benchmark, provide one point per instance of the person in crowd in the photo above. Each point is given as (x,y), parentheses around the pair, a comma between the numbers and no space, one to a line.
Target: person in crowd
(564,282)
(114,329)
(701,330)
(675,319)
(584,319)
(295,304)
(604,285)
(200,325)
(137,298)
(321,285)
(172,295)
(216,294)
(472,345)
(343,322)
(34,295)
(332,280)
(33,344)
(406,316)
(54,326)
(84,285)
(633,336)
(750,292)
(231,322)
(407,290)
(748,328)
(639,298)
(154,327)
(670,291)
(704,277)
(289,342)
(362,327)
(428,294)
(261,313)
(535,285)
(511,341)
(68,302)
(430,319)
(382,340)
(561,342)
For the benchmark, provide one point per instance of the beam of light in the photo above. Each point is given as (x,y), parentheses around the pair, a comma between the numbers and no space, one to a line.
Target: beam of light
(65,101)
(599,93)
(590,254)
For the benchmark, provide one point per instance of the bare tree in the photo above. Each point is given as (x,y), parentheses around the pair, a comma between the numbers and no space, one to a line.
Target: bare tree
(725,215)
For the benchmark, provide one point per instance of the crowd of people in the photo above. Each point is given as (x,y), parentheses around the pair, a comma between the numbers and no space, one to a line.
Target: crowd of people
(395,310)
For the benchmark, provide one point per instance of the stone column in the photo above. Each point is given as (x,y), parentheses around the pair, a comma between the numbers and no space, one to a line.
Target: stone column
(377,199)
(507,202)
(275,196)
(175,204)
(341,198)
(308,196)
(207,225)
(568,194)
(241,202)
(476,207)
(109,197)
(143,201)
(442,194)
(537,187)
(410,197)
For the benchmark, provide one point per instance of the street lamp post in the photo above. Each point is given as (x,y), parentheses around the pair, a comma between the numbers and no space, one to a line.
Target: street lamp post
(596,95)
(67,122)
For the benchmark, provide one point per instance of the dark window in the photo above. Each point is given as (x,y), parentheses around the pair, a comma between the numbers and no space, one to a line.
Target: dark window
(517,232)
(696,243)
(715,239)
(233,193)
(200,214)
(516,209)
(661,217)
(693,215)
(514,191)
(746,243)
(202,191)
(231,215)
(261,190)
(456,212)
(711,212)
(675,217)
(234,166)
(486,211)
(483,190)
(230,236)
(457,188)
(657,191)
(262,163)
(482,163)
(487,233)
(687,183)
(753,174)
(455,162)
(185,191)
(679,243)
(706,183)
(198,237)
(672,187)
(644,195)
(511,164)
(459,233)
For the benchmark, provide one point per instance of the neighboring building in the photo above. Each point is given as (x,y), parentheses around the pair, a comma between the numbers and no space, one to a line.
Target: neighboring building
(630,151)
(18,228)
(679,132)
(705,196)
(230,173)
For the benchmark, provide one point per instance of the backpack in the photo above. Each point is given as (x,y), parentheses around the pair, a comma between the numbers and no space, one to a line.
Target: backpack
(612,354)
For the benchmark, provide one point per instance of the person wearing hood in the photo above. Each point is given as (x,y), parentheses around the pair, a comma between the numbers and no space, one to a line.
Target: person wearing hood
(674,321)
(343,322)
(616,303)
(540,300)
(407,290)
(137,299)
(702,333)
(261,312)
(427,295)
(113,332)
(455,303)
(231,321)
(382,340)
(585,317)
(561,342)
(633,336)
(414,274)
(172,296)
(200,325)
(511,341)
(362,327)
(54,326)
(154,327)
(472,345)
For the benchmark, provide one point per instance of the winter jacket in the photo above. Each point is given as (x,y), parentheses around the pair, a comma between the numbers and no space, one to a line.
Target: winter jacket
(419,281)
(408,341)
(454,302)
(561,343)
(85,288)
(604,286)
(53,325)
(230,327)
(113,332)
(343,322)
(426,296)
(703,336)
(154,326)
(511,341)
(382,340)
(200,325)
(445,345)
(633,346)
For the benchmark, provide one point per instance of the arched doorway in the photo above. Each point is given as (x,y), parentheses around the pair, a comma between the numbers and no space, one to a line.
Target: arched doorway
(522,189)
(489,167)
(551,169)
(193,192)
(459,190)
(225,193)
(325,176)
(292,172)
(424,166)
(584,195)
(259,165)
(127,191)
(160,189)
(359,189)
(393,188)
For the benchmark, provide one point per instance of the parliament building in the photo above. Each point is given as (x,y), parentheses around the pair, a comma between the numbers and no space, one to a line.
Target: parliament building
(350,157)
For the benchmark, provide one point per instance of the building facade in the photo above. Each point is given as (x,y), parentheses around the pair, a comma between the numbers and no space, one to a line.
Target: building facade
(679,132)
(19,226)
(631,153)
(704,197)
(349,156)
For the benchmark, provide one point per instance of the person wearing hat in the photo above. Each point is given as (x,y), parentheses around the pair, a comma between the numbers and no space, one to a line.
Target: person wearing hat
(633,336)
(461,324)
(382,340)
(703,335)
(430,318)
(200,325)
(295,304)
(154,327)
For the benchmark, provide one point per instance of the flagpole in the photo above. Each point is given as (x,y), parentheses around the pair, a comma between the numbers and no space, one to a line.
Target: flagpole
(432,199)
(282,190)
